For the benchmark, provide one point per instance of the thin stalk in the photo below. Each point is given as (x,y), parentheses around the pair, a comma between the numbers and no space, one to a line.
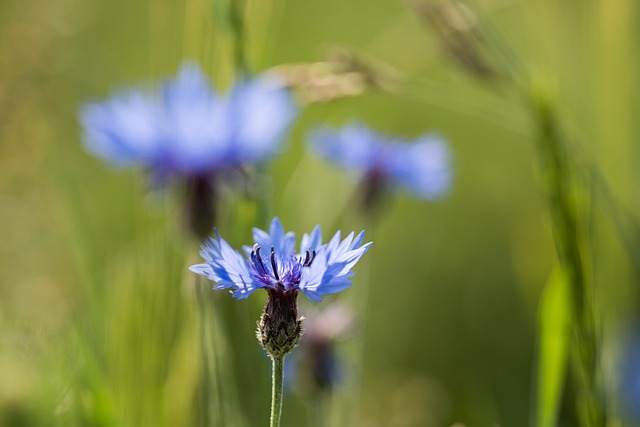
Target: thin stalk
(277,380)
(236,19)
(573,248)
(204,357)
(319,404)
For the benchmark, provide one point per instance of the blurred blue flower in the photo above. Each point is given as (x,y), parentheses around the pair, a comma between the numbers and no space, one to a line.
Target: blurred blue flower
(184,132)
(316,366)
(629,374)
(273,263)
(184,127)
(421,167)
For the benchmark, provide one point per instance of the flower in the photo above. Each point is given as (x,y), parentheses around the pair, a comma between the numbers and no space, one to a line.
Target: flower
(184,132)
(318,364)
(184,127)
(421,167)
(272,263)
(628,373)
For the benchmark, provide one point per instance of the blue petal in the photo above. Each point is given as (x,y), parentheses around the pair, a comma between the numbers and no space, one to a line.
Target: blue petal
(312,241)
(262,238)
(204,270)
(330,271)
(124,130)
(244,292)
(334,242)
(349,259)
(263,113)
(334,285)
(423,168)
(313,295)
(354,147)
(282,243)
(198,131)
(311,277)
(185,127)
(357,240)
(345,252)
(229,268)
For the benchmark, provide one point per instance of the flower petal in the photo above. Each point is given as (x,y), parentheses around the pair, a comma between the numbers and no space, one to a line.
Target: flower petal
(198,128)
(311,241)
(354,147)
(423,168)
(283,243)
(263,113)
(330,271)
(228,267)
(184,127)
(204,270)
(124,130)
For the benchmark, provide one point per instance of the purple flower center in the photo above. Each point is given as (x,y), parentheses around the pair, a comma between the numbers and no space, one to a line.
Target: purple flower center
(279,272)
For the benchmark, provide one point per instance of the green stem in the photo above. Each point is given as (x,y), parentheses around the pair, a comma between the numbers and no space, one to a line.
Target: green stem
(277,379)
(204,357)
(573,247)
(236,17)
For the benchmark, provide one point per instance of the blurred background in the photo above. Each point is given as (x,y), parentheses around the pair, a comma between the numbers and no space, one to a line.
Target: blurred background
(102,324)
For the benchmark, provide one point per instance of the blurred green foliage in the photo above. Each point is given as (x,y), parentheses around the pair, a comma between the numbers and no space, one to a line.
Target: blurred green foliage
(100,322)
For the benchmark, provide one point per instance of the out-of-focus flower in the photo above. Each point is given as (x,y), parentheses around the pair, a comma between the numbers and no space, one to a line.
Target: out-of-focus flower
(318,366)
(273,264)
(183,130)
(629,375)
(184,127)
(421,167)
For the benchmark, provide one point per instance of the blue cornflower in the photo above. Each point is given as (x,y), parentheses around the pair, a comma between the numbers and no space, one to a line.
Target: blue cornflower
(316,365)
(421,167)
(629,375)
(185,127)
(183,131)
(272,263)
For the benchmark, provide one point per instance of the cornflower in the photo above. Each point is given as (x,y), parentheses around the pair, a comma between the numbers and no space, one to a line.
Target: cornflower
(273,264)
(185,132)
(421,167)
(628,375)
(319,365)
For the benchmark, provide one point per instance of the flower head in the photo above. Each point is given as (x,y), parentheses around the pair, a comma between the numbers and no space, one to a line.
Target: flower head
(274,264)
(421,167)
(183,131)
(628,374)
(184,127)
(318,365)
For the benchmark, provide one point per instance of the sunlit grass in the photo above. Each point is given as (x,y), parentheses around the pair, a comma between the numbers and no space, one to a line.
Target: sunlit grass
(102,324)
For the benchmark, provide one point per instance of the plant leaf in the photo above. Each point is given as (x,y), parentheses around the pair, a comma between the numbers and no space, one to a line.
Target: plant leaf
(554,339)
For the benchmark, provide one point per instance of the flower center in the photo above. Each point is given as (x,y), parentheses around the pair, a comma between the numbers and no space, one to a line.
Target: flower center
(277,272)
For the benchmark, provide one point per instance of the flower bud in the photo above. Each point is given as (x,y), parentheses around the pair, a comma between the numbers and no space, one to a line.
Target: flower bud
(279,328)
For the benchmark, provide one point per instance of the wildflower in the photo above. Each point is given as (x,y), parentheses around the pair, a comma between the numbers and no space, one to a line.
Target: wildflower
(184,131)
(628,372)
(318,364)
(421,167)
(273,264)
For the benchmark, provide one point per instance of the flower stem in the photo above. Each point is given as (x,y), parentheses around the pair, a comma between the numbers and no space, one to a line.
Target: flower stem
(237,25)
(277,379)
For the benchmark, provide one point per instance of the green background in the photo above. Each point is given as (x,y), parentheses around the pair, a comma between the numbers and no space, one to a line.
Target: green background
(99,315)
